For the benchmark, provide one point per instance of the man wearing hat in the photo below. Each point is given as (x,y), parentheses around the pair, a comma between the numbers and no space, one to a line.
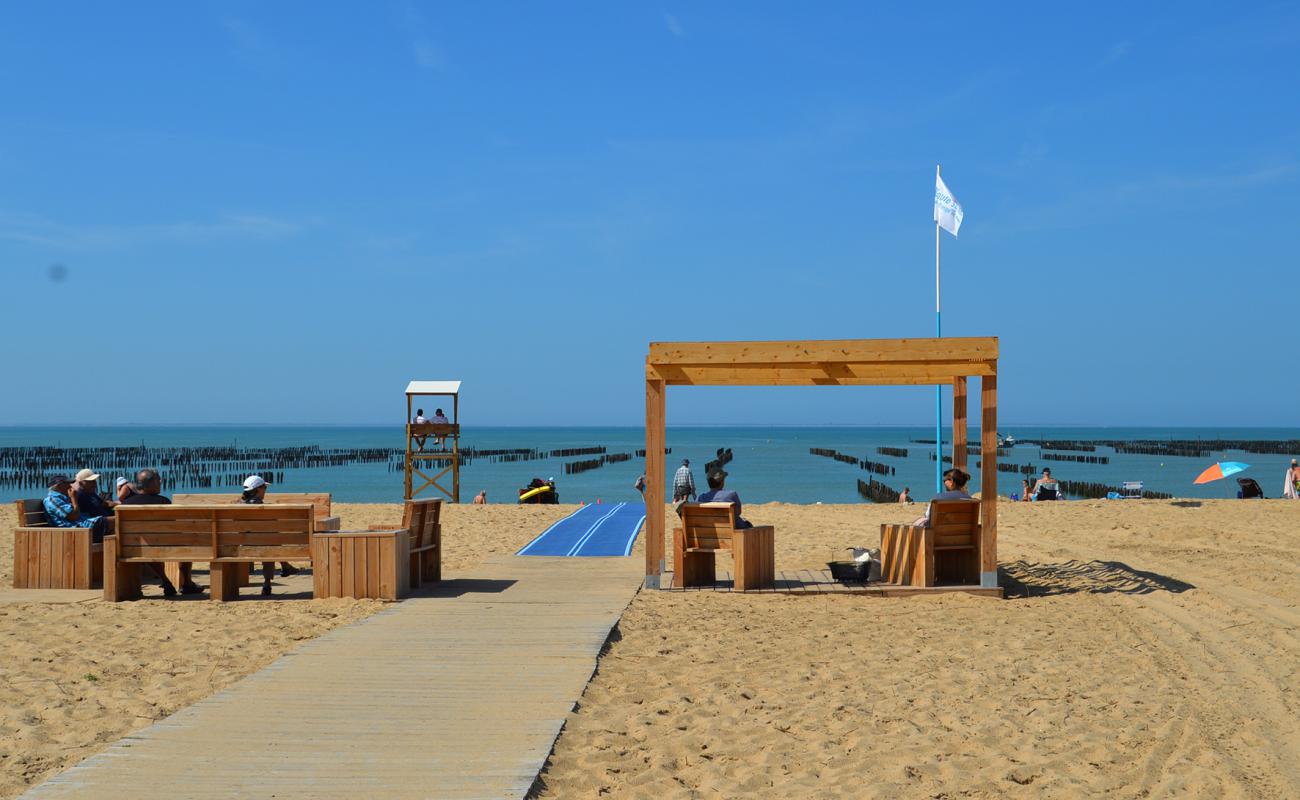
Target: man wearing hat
(683,482)
(85,490)
(62,511)
(718,494)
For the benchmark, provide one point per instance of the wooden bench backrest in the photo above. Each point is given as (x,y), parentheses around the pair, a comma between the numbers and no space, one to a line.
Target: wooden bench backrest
(955,522)
(708,526)
(421,519)
(31,514)
(275,532)
(434,429)
(319,499)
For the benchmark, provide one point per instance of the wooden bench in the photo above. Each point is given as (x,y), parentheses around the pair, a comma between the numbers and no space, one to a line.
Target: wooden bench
(225,536)
(46,557)
(709,527)
(423,520)
(321,501)
(945,552)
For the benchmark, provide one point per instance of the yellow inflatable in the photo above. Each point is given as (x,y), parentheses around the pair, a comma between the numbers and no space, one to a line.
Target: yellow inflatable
(534,492)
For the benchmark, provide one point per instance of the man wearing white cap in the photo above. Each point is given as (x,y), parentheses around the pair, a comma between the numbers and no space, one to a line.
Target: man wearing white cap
(85,487)
(254,493)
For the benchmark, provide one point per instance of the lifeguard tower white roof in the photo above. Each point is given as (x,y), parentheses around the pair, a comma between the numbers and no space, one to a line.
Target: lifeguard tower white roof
(433,387)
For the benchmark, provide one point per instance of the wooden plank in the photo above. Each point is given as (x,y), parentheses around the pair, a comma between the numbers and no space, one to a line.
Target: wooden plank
(960,407)
(46,576)
(336,566)
(989,476)
(828,350)
(67,560)
(166,554)
(131,538)
(372,566)
(817,374)
(21,573)
(655,476)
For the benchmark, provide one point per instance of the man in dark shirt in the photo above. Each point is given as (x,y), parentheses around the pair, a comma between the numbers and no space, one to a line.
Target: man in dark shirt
(148,492)
(717,494)
(86,487)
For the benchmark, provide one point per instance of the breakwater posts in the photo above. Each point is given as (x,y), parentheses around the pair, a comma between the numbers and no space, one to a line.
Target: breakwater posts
(577,451)
(1094,491)
(835,454)
(180,467)
(877,492)
(1075,459)
(1022,469)
(946,459)
(641,453)
(723,457)
(1080,447)
(878,469)
(574,467)
(896,452)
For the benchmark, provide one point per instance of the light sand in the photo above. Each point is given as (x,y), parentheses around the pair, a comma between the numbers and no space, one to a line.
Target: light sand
(76,677)
(1156,654)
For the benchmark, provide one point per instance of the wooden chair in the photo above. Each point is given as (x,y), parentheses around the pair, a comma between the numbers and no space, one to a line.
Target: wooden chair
(422,519)
(46,557)
(945,552)
(709,527)
(226,536)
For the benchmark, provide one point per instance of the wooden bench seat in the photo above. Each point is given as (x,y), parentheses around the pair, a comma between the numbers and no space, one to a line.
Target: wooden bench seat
(709,527)
(946,552)
(422,519)
(46,557)
(320,500)
(223,535)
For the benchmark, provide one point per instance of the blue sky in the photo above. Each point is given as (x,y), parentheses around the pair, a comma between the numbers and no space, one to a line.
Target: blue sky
(284,212)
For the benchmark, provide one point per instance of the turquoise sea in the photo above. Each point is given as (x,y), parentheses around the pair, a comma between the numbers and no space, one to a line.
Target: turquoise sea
(770,463)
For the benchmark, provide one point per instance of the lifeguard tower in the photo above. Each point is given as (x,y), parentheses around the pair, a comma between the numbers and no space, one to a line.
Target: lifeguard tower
(433,447)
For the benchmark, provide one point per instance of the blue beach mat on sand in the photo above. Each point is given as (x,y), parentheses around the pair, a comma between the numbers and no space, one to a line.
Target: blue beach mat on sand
(594,530)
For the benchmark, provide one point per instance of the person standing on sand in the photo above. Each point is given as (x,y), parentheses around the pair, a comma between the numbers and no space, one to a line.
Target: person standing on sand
(1291,489)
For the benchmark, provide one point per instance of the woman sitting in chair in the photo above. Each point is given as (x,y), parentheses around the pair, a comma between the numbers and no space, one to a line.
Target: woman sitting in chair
(954,488)
(1046,487)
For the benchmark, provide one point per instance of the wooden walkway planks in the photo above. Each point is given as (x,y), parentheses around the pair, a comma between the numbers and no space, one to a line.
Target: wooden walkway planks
(459,692)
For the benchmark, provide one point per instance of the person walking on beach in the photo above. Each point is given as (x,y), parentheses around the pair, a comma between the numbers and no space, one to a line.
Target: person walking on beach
(255,494)
(684,482)
(1291,487)
(148,492)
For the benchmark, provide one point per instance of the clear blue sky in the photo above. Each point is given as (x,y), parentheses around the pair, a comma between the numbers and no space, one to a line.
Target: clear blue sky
(285,211)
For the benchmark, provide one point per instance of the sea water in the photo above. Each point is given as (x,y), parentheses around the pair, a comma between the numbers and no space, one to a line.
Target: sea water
(769,463)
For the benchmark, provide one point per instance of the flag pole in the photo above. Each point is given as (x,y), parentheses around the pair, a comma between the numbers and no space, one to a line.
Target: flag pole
(938,389)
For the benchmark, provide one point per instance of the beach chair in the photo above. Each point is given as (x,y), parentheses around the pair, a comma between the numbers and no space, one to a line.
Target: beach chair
(1131,490)
(709,527)
(1049,490)
(1250,489)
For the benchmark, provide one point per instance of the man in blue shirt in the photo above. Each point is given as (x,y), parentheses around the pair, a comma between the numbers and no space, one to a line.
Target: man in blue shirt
(62,511)
(717,494)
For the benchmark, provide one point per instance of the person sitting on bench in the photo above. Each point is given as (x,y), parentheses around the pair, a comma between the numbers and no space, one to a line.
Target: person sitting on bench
(440,418)
(63,511)
(717,494)
(255,494)
(954,488)
(148,492)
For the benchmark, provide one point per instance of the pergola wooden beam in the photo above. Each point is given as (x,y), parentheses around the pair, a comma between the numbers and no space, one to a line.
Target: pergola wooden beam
(837,362)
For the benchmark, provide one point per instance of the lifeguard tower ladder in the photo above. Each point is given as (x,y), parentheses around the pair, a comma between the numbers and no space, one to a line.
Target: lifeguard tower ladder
(432,446)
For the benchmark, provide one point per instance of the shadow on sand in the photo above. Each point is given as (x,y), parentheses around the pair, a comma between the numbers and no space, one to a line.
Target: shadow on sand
(1028,579)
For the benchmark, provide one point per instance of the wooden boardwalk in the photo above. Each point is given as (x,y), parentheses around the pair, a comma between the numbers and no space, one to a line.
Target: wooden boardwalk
(459,692)
(819,581)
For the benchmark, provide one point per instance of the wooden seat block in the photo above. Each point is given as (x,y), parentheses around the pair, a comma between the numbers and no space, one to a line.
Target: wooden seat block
(710,527)
(422,520)
(53,558)
(361,564)
(945,552)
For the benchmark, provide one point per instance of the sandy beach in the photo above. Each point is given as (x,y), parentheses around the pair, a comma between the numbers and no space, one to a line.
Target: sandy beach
(1145,649)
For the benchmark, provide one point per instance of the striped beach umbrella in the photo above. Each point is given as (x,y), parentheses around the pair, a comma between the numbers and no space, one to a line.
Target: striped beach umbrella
(1221,470)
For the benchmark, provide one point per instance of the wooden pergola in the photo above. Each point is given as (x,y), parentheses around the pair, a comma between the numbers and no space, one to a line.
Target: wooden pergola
(839,362)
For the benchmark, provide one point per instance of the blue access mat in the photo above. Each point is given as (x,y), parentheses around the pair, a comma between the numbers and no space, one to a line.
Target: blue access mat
(594,530)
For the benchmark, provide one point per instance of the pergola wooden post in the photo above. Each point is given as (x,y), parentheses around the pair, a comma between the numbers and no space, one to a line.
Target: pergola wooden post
(843,362)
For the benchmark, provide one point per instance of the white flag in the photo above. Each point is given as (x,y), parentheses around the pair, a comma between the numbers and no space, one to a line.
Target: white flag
(947,211)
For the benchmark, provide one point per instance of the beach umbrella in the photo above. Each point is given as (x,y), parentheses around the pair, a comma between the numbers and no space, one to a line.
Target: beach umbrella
(1221,470)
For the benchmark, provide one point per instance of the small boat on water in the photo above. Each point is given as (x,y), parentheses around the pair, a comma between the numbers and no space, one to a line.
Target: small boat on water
(1009,441)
